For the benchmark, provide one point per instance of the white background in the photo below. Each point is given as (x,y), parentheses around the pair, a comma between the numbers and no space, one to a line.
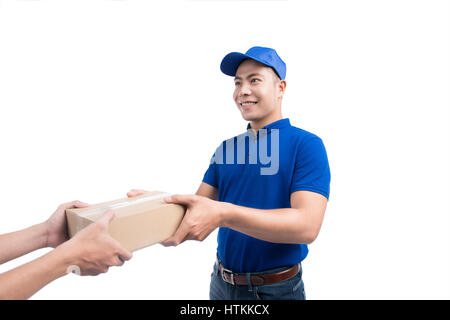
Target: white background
(98,97)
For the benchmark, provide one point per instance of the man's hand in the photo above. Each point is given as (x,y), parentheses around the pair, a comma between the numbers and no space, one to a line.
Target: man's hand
(202,217)
(93,250)
(56,225)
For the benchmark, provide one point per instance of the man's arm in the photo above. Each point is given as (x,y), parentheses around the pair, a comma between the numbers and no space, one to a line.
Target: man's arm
(205,190)
(299,224)
(262,224)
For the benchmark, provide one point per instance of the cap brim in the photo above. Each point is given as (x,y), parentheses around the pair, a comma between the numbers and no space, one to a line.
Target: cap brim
(231,62)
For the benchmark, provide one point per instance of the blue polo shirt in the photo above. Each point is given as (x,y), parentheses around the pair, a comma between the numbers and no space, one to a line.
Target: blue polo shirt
(261,171)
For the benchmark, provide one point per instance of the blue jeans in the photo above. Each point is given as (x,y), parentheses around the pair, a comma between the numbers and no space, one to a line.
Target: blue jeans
(291,289)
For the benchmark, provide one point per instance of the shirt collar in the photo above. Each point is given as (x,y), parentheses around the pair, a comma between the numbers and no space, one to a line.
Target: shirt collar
(283,123)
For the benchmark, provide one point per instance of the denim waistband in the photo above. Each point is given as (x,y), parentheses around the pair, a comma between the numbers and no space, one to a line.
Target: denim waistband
(275,270)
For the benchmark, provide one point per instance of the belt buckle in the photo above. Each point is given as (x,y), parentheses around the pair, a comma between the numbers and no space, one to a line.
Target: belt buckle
(224,270)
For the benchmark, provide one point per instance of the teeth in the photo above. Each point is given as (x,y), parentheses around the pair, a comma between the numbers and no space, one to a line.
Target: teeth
(247,103)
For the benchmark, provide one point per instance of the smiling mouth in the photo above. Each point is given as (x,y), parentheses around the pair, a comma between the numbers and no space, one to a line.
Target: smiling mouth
(247,103)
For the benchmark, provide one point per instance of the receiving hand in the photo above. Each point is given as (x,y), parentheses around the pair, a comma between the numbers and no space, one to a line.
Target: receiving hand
(93,250)
(56,225)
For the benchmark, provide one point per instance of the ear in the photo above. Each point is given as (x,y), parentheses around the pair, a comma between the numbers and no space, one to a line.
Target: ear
(281,88)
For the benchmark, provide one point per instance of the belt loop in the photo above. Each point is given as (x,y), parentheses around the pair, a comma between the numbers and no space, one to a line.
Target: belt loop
(249,281)
(217,264)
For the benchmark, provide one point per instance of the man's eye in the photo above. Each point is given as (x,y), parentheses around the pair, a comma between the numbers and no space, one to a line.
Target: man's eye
(254,80)
(237,83)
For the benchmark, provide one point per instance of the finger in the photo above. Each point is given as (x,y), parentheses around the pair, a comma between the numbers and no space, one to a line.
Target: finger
(123,253)
(135,192)
(168,242)
(104,269)
(74,204)
(179,236)
(91,272)
(120,261)
(80,204)
(115,262)
(185,199)
(106,218)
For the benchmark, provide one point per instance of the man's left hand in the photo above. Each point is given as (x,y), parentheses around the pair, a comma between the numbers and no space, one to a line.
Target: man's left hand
(202,217)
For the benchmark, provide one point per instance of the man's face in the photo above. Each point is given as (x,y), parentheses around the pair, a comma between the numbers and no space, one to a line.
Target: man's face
(256,90)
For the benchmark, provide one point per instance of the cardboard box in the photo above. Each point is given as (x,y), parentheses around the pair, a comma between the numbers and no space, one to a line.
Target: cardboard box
(139,222)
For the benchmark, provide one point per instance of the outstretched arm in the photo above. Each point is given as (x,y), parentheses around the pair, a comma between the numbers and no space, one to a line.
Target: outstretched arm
(89,252)
(23,281)
(46,234)
(16,244)
(299,224)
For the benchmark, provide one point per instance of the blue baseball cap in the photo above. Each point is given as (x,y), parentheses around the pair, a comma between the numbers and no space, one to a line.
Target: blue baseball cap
(266,56)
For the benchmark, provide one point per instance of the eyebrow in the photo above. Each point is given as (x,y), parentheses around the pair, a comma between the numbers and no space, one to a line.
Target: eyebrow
(249,76)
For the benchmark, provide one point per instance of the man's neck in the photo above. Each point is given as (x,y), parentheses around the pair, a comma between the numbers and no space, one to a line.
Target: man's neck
(258,124)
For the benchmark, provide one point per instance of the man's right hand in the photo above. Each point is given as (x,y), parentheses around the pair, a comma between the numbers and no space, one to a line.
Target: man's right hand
(93,250)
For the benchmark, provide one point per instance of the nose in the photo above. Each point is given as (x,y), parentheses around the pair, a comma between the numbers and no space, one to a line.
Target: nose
(244,90)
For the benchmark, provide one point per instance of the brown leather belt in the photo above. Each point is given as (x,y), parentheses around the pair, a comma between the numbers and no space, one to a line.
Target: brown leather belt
(256,279)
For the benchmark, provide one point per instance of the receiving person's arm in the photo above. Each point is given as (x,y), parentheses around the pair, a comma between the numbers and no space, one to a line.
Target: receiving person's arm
(16,244)
(50,233)
(89,252)
(23,281)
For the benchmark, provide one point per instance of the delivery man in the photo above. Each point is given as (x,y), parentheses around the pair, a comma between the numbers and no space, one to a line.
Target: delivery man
(268,208)
(89,252)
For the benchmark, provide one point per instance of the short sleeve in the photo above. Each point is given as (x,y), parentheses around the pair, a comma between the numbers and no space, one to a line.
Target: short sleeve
(312,170)
(210,176)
